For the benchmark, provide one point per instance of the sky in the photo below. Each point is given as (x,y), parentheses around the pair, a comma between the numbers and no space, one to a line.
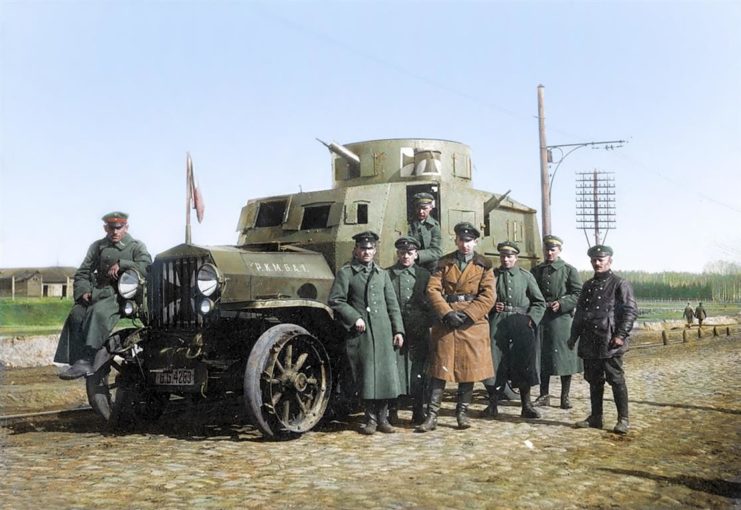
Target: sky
(100,101)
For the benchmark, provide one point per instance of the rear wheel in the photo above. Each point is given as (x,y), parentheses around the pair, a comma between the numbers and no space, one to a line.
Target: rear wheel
(287,381)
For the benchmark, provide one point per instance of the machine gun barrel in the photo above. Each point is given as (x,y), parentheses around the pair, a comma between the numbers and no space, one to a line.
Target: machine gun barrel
(342,152)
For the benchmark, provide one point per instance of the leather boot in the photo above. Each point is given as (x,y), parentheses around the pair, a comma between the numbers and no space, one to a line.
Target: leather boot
(371,418)
(383,420)
(465,395)
(565,389)
(544,399)
(620,394)
(393,413)
(436,398)
(528,411)
(418,412)
(491,411)
(81,367)
(594,420)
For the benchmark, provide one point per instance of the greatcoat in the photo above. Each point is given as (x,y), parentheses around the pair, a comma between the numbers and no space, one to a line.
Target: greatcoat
(90,324)
(410,286)
(366,292)
(560,282)
(430,237)
(463,354)
(519,291)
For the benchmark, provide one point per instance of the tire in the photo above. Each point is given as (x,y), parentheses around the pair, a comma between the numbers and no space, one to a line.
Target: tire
(287,382)
(117,390)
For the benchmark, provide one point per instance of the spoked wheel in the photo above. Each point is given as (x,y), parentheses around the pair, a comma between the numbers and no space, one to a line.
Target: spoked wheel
(117,390)
(287,381)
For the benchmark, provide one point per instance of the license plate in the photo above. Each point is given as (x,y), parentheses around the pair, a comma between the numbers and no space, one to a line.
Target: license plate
(174,377)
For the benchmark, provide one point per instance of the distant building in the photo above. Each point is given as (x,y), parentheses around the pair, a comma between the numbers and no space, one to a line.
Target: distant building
(37,282)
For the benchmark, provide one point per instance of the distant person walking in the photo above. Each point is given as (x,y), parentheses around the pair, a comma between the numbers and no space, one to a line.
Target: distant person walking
(689,314)
(700,313)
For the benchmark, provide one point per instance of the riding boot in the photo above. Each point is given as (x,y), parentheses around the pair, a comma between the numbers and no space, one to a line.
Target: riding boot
(528,411)
(371,418)
(436,398)
(594,420)
(418,411)
(383,419)
(620,394)
(393,413)
(465,395)
(544,399)
(565,388)
(491,410)
(81,367)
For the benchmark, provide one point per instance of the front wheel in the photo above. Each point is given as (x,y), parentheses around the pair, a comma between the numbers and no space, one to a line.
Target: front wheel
(117,391)
(287,381)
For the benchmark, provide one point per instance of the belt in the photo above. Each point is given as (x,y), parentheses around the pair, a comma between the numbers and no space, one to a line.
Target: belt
(457,298)
(514,309)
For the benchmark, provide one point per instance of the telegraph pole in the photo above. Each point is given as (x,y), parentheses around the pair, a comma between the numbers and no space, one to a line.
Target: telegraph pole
(545,180)
(546,157)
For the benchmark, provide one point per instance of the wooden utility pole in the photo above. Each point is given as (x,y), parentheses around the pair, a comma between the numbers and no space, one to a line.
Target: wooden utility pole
(545,199)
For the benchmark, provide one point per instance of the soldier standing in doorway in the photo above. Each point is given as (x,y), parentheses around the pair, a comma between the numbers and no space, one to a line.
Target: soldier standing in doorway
(561,286)
(426,229)
(604,317)
(97,309)
(461,292)
(363,300)
(410,285)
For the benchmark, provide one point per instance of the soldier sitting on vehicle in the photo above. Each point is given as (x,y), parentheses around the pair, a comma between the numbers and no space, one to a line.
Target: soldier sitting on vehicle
(426,229)
(97,309)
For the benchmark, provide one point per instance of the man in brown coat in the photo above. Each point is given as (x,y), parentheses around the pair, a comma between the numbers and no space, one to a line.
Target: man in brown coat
(461,292)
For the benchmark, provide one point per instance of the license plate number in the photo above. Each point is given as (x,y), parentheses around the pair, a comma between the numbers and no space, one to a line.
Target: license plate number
(175,377)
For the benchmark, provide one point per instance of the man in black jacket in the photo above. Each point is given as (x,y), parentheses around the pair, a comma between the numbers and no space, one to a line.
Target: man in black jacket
(604,317)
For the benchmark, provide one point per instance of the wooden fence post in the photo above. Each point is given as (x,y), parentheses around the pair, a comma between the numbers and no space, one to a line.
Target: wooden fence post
(664,337)
(684,336)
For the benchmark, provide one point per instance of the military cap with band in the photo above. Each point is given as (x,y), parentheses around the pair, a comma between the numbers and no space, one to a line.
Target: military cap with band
(599,250)
(367,239)
(550,241)
(423,198)
(466,231)
(407,243)
(116,219)
(508,248)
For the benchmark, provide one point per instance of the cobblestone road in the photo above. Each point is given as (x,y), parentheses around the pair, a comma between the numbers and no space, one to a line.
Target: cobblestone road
(683,451)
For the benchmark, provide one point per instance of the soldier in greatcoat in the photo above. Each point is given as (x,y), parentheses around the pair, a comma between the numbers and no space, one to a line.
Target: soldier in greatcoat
(410,285)
(604,318)
(519,307)
(688,314)
(700,313)
(97,307)
(364,301)
(561,285)
(426,229)
(461,291)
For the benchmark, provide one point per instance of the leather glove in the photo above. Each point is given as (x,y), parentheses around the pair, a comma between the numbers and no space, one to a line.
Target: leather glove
(463,318)
(571,343)
(452,320)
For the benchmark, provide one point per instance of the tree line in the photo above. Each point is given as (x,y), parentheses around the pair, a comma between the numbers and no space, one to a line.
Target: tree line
(720,282)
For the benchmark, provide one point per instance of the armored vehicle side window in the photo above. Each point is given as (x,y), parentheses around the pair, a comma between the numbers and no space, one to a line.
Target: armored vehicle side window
(271,214)
(356,213)
(315,217)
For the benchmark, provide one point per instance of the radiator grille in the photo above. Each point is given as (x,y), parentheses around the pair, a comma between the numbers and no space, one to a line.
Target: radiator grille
(173,293)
